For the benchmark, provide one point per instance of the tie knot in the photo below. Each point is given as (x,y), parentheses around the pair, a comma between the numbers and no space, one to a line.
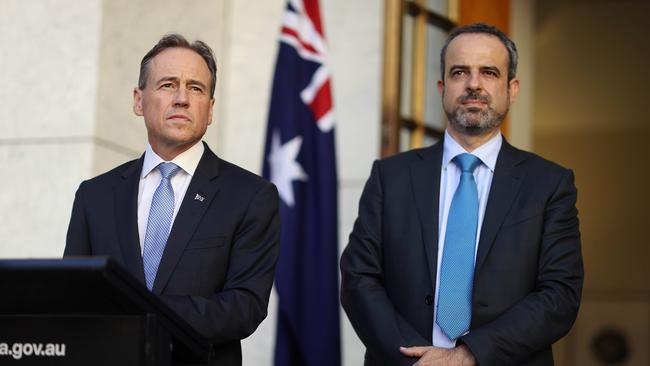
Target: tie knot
(168,170)
(467,162)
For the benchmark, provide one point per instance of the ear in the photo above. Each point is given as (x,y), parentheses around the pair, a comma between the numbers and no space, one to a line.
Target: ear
(137,102)
(210,112)
(441,86)
(513,88)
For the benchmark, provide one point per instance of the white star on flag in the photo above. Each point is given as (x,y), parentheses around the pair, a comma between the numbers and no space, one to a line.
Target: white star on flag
(284,167)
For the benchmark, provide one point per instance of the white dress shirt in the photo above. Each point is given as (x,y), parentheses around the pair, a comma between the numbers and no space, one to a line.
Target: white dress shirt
(150,180)
(449,179)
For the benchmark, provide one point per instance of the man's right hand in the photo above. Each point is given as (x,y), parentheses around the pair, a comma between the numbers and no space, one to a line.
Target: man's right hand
(432,356)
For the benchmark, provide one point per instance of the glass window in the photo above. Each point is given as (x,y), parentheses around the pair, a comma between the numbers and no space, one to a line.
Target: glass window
(438,6)
(406,63)
(433,115)
(416,30)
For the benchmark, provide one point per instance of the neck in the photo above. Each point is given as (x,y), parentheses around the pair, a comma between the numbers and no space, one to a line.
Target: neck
(168,153)
(472,142)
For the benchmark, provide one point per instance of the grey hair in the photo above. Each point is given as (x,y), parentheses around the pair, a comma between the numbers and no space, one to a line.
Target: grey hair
(485,29)
(174,41)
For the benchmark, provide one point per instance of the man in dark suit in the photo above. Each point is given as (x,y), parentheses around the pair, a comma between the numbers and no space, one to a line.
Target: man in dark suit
(415,288)
(198,231)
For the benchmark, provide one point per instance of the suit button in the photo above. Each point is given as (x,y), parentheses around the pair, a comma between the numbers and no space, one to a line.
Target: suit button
(428,300)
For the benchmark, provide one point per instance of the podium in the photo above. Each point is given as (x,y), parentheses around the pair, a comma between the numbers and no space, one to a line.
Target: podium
(89,311)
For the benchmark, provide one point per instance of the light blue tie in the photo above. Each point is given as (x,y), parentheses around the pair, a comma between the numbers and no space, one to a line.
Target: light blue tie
(456,274)
(159,224)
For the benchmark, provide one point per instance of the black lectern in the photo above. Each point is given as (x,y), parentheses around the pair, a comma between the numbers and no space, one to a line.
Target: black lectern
(88,311)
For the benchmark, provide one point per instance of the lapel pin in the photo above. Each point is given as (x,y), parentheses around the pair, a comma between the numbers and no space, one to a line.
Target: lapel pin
(199,198)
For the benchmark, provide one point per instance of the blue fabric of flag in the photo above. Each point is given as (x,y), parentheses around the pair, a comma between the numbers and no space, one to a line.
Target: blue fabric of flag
(300,160)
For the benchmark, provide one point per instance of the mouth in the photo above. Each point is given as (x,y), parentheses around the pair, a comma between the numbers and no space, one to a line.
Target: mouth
(178,118)
(474,102)
(473,106)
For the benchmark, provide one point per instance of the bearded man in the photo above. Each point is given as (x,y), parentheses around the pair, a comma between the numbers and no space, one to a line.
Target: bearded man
(466,252)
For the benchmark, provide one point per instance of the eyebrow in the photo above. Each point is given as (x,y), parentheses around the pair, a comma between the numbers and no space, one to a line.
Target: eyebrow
(176,80)
(167,78)
(458,67)
(494,69)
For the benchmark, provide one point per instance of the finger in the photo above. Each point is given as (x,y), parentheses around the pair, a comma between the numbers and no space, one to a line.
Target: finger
(417,351)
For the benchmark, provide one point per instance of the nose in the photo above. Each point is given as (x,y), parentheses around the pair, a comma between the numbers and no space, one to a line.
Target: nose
(181,98)
(474,82)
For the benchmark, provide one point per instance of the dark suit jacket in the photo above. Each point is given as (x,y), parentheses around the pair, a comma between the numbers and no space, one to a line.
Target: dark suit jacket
(218,266)
(528,273)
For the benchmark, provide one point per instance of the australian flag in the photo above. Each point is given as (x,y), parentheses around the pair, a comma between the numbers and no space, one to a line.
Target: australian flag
(300,160)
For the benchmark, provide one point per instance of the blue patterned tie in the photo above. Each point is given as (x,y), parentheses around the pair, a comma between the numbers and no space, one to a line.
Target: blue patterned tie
(159,224)
(456,274)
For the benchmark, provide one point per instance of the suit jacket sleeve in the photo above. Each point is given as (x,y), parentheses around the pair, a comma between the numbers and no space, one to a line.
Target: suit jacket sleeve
(77,242)
(235,312)
(363,295)
(548,312)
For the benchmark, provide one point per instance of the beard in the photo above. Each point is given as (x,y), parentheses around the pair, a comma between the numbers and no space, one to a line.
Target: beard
(475,121)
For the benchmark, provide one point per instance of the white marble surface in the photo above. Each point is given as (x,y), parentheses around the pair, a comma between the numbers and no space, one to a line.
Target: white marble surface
(248,62)
(48,67)
(106,156)
(49,71)
(356,46)
(37,195)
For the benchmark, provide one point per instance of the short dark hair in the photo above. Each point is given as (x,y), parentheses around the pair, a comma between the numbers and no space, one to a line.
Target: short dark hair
(485,29)
(174,41)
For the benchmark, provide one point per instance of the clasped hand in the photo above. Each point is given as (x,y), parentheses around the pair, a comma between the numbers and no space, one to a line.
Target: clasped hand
(432,356)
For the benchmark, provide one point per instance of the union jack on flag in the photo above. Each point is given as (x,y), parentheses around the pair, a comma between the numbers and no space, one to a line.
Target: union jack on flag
(302,30)
(300,160)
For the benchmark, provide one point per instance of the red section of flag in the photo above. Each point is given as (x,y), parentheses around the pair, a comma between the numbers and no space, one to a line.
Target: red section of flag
(322,103)
(311,8)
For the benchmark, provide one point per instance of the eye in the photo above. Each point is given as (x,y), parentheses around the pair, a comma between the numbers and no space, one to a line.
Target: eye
(490,73)
(166,85)
(458,73)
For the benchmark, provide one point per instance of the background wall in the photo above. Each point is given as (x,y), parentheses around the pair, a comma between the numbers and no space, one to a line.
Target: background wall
(590,112)
(49,70)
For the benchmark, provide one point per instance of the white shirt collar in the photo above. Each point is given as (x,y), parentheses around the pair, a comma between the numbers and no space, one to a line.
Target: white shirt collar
(488,152)
(187,160)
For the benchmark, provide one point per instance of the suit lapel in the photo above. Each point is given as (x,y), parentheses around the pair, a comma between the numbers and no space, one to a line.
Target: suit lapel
(201,191)
(506,184)
(425,179)
(125,196)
